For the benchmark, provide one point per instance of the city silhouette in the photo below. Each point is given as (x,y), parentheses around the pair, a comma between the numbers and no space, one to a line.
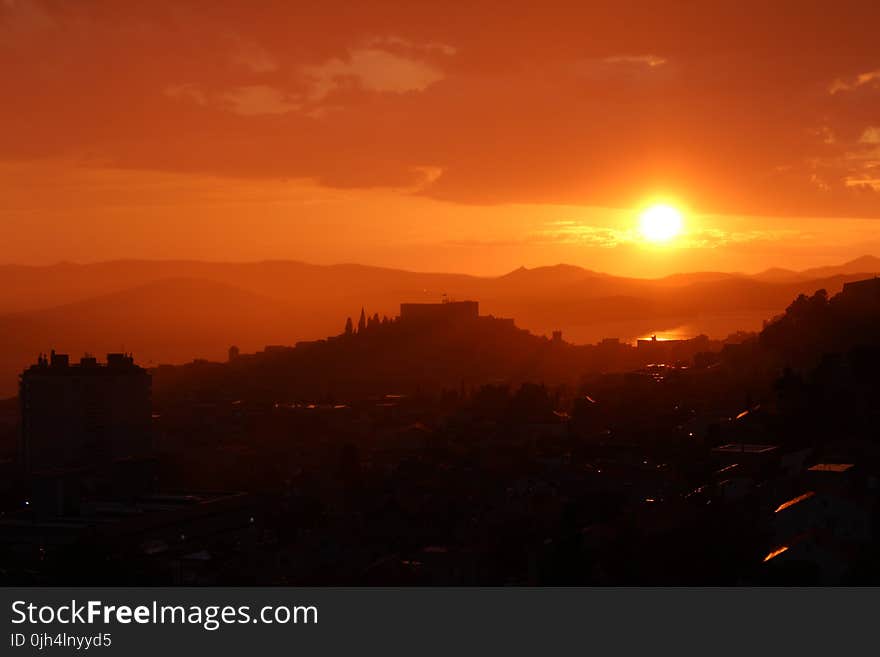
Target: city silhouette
(440,446)
(447,294)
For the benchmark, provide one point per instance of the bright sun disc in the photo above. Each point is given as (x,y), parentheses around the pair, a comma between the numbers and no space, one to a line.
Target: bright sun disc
(660,223)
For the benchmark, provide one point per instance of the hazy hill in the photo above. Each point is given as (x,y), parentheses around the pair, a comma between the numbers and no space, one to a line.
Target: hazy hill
(778,275)
(31,288)
(167,320)
(863,265)
(868,265)
(697,277)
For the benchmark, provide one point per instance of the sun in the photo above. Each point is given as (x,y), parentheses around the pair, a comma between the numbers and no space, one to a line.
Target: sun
(660,223)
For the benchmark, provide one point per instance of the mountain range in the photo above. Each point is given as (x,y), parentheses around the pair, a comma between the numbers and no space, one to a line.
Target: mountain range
(174,311)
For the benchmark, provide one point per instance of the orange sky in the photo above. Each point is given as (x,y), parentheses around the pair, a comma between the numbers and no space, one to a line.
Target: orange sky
(420,136)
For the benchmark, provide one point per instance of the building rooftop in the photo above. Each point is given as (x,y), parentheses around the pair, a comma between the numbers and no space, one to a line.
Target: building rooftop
(59,365)
(795,500)
(831,467)
(744,448)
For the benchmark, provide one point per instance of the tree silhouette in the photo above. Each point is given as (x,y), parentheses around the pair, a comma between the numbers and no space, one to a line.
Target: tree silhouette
(362,322)
(349,327)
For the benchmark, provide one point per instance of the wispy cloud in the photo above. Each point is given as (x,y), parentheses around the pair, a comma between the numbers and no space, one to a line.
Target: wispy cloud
(253,57)
(632,68)
(377,67)
(651,61)
(372,69)
(245,100)
(848,84)
(871,135)
(260,99)
(407,44)
(187,91)
(574,232)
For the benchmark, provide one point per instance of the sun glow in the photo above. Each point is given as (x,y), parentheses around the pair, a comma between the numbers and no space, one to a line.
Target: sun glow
(660,223)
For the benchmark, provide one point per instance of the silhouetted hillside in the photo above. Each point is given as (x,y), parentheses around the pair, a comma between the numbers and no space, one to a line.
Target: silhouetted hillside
(406,356)
(819,325)
(816,328)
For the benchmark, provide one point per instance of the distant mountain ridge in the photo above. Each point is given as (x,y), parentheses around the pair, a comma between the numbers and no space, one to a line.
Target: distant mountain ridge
(866,264)
(173,311)
(29,287)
